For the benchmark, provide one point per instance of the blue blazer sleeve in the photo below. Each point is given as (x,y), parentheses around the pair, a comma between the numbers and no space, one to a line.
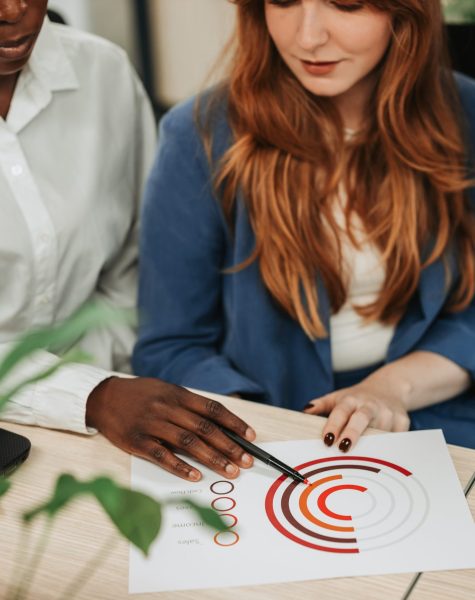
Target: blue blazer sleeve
(453,335)
(183,245)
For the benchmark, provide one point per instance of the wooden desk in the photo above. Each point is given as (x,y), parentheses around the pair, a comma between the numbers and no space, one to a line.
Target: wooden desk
(81,529)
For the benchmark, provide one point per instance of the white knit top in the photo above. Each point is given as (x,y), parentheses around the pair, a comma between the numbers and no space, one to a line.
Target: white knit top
(354,342)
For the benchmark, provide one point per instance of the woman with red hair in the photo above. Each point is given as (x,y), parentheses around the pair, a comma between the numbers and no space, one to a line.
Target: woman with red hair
(308,234)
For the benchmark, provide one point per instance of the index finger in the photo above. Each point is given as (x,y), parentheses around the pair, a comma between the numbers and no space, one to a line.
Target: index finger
(218,413)
(357,424)
(324,404)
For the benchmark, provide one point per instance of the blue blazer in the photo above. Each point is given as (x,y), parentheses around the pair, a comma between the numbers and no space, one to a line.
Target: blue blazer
(209,330)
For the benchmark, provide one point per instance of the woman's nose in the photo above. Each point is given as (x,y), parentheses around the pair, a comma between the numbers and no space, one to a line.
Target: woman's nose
(12,11)
(313,29)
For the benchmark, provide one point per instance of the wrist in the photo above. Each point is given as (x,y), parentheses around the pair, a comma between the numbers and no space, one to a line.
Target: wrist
(388,378)
(96,401)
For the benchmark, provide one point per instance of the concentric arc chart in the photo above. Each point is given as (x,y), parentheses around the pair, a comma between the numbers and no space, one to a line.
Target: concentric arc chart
(352,504)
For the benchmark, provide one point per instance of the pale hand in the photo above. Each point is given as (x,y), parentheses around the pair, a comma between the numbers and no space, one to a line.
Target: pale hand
(352,410)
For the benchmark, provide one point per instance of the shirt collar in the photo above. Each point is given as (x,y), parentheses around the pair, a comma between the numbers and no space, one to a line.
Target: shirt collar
(49,62)
(48,70)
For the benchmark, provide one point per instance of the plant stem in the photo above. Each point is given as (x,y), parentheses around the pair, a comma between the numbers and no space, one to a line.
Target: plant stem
(21,555)
(21,591)
(90,568)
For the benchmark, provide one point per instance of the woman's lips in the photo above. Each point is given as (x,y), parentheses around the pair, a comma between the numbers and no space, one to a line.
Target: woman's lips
(319,68)
(16,49)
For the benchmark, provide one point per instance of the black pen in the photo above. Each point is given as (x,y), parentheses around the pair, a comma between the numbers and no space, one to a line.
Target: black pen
(265,456)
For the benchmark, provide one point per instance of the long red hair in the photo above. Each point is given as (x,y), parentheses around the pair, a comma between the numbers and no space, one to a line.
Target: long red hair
(405,173)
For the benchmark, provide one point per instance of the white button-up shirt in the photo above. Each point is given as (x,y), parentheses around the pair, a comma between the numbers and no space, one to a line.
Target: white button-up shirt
(74,152)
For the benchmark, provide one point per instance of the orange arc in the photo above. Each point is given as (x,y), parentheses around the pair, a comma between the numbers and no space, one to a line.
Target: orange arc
(303,501)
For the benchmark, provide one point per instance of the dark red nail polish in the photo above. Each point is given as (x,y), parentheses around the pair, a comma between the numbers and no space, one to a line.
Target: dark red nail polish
(308,406)
(329,439)
(345,445)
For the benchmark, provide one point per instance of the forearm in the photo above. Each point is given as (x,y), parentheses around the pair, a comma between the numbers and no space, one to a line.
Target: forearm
(199,368)
(57,402)
(422,378)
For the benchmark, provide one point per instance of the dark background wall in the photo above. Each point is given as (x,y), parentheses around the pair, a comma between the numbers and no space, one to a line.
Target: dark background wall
(462,47)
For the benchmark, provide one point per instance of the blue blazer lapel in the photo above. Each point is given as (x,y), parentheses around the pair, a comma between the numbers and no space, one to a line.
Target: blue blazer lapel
(323,346)
(422,310)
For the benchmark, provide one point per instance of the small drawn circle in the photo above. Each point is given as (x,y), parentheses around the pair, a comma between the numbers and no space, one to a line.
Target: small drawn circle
(221,506)
(217,487)
(230,538)
(233,518)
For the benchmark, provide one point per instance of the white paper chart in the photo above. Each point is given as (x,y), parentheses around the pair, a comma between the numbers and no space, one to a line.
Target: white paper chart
(394,504)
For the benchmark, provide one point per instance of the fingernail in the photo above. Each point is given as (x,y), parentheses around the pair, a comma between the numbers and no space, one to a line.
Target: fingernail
(309,405)
(246,459)
(194,475)
(329,439)
(231,469)
(345,445)
(250,434)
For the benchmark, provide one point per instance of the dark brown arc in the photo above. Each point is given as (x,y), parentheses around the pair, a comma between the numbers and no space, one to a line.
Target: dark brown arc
(291,519)
(337,467)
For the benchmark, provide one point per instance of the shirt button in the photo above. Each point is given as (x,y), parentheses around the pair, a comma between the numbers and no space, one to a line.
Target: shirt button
(17,170)
(46,298)
(45,238)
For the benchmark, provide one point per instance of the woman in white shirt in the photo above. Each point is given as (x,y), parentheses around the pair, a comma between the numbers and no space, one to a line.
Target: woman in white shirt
(76,140)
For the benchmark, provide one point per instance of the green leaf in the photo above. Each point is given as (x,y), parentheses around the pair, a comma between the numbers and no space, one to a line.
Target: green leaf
(208,516)
(136,516)
(67,487)
(65,334)
(4,486)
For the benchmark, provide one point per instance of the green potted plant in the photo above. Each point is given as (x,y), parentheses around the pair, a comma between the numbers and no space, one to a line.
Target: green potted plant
(135,516)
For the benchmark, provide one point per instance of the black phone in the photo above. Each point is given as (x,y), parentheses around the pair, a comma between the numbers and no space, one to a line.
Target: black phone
(14,450)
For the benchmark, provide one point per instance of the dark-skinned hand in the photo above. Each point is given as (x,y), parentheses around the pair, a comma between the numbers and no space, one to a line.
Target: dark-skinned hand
(150,419)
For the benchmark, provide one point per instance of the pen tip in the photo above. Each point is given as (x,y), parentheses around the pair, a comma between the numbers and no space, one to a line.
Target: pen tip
(306,481)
